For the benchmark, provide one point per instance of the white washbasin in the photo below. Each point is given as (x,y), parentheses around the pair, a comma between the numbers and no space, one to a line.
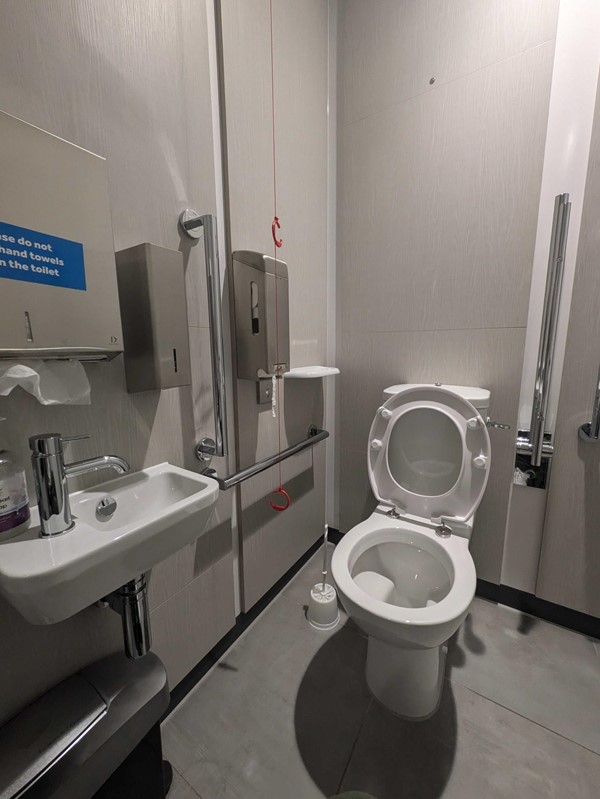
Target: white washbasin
(159,510)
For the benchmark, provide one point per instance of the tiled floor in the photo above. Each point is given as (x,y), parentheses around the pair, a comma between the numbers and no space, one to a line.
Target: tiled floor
(286,714)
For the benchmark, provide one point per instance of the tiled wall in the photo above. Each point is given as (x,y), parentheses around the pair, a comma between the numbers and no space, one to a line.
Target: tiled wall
(271,541)
(127,79)
(569,571)
(443,112)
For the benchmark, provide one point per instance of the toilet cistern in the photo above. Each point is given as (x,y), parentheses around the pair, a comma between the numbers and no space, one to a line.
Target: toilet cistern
(50,474)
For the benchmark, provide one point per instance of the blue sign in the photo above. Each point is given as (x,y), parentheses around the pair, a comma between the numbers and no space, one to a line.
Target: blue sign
(39,258)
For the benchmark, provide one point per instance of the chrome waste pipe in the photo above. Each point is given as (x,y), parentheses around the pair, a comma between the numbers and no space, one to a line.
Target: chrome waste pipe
(130,601)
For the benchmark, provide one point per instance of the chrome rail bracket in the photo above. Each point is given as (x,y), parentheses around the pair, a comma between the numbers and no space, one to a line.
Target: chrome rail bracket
(584,433)
(590,431)
(205,449)
(190,224)
(525,447)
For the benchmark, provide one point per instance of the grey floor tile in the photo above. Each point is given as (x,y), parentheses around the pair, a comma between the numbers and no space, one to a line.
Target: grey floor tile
(279,714)
(471,749)
(178,747)
(180,789)
(286,713)
(541,671)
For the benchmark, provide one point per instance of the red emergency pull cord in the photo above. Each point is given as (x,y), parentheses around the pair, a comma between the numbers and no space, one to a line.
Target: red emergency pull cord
(278,242)
(286,499)
(278,493)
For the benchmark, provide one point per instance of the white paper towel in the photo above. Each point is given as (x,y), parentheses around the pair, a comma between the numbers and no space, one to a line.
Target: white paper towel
(50,382)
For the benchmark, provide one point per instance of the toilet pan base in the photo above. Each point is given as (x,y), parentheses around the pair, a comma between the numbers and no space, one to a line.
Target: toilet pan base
(406,681)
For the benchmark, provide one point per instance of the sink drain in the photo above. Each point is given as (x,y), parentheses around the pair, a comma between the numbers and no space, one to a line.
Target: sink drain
(106,507)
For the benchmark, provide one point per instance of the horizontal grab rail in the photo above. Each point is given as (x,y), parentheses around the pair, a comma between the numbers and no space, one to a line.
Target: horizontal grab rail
(314,436)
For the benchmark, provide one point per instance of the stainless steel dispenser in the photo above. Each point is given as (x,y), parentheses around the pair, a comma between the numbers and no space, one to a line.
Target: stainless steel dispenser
(154,314)
(262,328)
(58,281)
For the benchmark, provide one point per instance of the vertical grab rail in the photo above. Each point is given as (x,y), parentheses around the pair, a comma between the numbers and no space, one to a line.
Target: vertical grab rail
(556,260)
(193,225)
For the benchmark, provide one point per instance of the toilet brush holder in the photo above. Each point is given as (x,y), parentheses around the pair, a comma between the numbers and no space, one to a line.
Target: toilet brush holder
(323,612)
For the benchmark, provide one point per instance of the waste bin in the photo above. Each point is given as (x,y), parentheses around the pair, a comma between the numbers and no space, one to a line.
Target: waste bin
(93,736)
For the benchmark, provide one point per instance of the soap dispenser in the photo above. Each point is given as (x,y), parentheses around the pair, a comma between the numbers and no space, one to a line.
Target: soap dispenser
(15,515)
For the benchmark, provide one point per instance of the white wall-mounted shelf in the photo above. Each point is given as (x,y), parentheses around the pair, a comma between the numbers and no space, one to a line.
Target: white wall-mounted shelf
(305,372)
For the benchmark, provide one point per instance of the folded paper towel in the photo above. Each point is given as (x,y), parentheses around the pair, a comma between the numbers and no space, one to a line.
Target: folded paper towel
(50,382)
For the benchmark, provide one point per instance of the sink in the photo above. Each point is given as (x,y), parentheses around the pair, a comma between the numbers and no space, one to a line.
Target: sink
(158,511)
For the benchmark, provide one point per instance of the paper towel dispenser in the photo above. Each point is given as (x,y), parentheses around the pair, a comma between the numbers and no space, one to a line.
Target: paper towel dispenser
(262,327)
(154,313)
(58,280)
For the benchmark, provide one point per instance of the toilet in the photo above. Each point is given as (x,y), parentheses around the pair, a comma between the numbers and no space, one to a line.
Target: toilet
(405,575)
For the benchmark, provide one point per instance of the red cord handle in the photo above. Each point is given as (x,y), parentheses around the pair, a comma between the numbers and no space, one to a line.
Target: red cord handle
(274,226)
(286,499)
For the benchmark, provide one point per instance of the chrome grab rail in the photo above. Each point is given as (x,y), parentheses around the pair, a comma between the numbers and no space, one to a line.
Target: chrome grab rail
(193,226)
(314,436)
(536,446)
(524,446)
(590,431)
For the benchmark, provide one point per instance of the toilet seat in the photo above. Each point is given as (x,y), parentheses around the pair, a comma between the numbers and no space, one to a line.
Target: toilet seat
(452,552)
(429,455)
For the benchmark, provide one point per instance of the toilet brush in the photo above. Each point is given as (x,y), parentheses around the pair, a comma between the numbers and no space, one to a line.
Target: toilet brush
(323,613)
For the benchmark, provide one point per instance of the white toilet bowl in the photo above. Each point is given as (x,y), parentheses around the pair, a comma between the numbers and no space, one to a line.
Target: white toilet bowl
(409,591)
(405,575)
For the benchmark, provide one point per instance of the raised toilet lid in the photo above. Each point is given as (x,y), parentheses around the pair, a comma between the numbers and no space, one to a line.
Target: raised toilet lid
(429,454)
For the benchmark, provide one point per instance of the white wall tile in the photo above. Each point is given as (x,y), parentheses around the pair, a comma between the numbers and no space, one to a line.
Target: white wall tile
(439,201)
(390,49)
(183,630)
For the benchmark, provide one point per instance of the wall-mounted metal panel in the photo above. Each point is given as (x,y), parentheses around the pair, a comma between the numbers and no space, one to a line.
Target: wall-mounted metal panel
(262,318)
(57,269)
(154,312)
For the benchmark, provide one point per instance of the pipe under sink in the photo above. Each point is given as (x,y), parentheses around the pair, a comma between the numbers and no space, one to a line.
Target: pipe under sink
(130,601)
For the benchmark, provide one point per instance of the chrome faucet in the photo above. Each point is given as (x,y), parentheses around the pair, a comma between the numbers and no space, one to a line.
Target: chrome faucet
(50,474)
